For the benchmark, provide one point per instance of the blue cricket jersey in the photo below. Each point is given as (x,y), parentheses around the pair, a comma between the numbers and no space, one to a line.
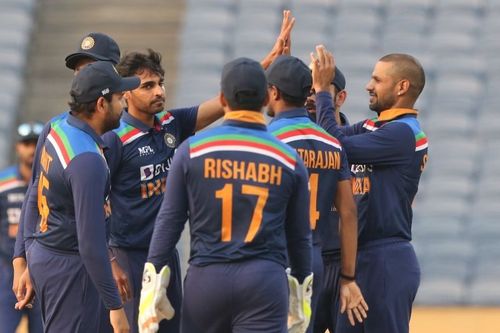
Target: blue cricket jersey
(139,159)
(70,192)
(394,150)
(246,195)
(324,159)
(12,191)
(29,211)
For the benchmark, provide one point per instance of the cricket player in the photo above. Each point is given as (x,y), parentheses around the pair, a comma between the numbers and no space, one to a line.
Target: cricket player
(92,47)
(329,177)
(328,308)
(13,186)
(139,156)
(68,259)
(396,153)
(247,200)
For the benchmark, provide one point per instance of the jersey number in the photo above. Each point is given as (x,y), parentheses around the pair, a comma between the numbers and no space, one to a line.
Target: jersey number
(43,207)
(226,195)
(313,213)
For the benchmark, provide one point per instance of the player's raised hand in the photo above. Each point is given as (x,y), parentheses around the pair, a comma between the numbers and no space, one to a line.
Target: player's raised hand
(118,320)
(122,282)
(323,69)
(25,292)
(283,43)
(352,301)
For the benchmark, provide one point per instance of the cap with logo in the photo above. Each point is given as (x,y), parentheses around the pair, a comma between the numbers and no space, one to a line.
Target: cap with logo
(29,131)
(98,79)
(291,76)
(339,80)
(243,82)
(97,46)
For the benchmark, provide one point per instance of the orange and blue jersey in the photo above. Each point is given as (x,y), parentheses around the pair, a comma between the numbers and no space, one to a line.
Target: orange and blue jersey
(12,191)
(323,157)
(71,188)
(245,194)
(139,159)
(394,150)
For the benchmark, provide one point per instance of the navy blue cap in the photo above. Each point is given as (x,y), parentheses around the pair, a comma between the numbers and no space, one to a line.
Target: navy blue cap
(290,75)
(339,80)
(97,46)
(98,79)
(29,131)
(243,82)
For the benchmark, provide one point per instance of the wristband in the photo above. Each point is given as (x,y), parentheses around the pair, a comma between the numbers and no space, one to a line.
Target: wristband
(347,277)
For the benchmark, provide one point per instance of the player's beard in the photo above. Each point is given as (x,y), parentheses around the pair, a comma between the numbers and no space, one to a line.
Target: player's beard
(112,121)
(382,104)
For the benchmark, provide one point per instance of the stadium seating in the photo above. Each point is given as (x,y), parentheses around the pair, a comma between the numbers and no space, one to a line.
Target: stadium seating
(16,20)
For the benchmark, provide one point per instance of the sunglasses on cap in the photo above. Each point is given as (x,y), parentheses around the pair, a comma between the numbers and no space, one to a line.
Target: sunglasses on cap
(29,130)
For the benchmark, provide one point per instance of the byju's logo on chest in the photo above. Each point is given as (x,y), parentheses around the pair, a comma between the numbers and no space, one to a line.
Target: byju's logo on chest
(145,151)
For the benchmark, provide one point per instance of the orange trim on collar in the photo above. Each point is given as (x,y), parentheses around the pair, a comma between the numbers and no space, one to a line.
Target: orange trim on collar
(246,116)
(394,113)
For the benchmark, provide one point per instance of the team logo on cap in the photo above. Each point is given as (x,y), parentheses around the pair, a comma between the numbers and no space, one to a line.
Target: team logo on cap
(169,140)
(87,43)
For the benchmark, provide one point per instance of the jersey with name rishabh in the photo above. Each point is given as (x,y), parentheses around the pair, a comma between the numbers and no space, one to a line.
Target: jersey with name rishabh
(139,159)
(395,150)
(323,157)
(246,194)
(12,191)
(71,190)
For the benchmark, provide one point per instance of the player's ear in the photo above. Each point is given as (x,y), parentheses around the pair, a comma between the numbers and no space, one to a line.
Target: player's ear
(403,86)
(222,100)
(273,94)
(340,98)
(101,104)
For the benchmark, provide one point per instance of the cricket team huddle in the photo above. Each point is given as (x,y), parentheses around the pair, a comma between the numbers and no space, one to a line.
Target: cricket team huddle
(302,224)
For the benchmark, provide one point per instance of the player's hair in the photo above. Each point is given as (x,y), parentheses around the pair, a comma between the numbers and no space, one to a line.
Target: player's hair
(246,101)
(136,62)
(409,68)
(291,100)
(86,109)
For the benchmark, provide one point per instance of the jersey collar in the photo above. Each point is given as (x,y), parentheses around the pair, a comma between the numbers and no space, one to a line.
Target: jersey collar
(131,120)
(253,119)
(291,113)
(392,114)
(83,126)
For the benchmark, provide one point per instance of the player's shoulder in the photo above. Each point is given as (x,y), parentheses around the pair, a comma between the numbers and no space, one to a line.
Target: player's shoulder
(9,179)
(421,141)
(70,142)
(298,129)
(127,132)
(242,140)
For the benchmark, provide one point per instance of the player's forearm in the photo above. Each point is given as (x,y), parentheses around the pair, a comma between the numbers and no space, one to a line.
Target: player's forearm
(172,214)
(208,112)
(348,240)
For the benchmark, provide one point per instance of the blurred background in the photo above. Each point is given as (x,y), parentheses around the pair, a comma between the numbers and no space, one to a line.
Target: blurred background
(456,225)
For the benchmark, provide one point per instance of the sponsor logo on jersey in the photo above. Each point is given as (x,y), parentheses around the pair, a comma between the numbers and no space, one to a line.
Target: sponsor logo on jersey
(150,171)
(15,197)
(145,151)
(147,172)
